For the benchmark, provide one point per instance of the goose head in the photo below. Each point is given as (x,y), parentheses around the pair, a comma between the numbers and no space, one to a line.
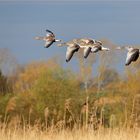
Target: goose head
(129,48)
(58,40)
(105,49)
(98,42)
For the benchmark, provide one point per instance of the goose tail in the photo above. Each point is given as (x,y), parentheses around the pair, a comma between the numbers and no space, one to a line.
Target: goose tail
(39,38)
(62,44)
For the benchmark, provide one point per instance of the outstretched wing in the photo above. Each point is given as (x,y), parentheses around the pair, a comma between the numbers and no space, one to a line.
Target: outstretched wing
(136,55)
(95,49)
(70,52)
(87,51)
(50,33)
(131,56)
(48,44)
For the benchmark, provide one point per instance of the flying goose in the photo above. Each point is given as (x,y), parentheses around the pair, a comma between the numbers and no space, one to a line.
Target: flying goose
(132,54)
(49,38)
(91,46)
(71,49)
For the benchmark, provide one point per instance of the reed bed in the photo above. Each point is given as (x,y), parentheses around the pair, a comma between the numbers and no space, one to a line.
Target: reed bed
(35,133)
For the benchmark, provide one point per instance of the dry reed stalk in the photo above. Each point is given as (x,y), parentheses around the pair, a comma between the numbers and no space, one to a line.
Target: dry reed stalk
(87,109)
(46,115)
(34,133)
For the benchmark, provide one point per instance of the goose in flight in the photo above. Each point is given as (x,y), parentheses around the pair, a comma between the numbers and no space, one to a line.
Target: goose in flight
(49,38)
(132,54)
(71,49)
(90,46)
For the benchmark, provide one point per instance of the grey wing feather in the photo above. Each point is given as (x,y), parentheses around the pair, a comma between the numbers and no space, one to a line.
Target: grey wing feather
(49,32)
(136,55)
(87,51)
(70,52)
(132,56)
(94,49)
(48,44)
(129,58)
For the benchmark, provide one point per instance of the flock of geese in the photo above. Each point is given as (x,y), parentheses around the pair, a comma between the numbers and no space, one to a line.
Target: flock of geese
(88,45)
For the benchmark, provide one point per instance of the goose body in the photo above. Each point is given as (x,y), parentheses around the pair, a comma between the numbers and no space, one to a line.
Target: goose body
(71,49)
(91,46)
(87,44)
(49,39)
(132,54)
(84,43)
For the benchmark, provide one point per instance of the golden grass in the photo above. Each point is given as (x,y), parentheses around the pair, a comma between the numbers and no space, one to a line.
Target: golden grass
(82,134)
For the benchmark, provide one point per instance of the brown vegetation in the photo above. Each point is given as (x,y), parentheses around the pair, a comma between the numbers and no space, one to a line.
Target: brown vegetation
(43,98)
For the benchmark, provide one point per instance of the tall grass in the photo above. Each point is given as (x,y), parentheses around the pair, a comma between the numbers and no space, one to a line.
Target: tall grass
(35,133)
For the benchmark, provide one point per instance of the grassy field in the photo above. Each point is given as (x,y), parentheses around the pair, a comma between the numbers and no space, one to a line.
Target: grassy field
(33,133)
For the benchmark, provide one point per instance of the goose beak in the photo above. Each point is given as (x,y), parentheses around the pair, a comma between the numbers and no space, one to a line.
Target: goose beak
(58,40)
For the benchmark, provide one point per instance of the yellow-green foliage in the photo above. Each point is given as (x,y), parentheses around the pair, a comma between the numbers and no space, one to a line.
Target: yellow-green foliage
(46,93)
(44,85)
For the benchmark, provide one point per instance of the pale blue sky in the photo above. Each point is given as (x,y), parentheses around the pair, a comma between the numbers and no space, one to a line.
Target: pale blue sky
(20,22)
